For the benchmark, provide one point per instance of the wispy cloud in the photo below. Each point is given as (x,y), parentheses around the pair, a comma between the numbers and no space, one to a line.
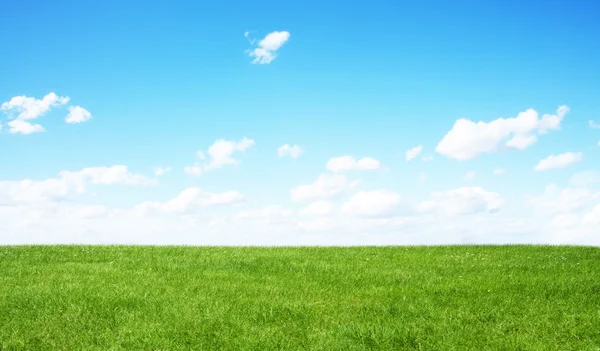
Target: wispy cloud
(267,48)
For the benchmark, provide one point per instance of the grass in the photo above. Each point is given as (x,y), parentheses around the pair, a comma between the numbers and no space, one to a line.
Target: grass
(364,298)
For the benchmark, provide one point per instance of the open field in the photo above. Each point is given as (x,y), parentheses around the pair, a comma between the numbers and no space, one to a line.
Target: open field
(368,298)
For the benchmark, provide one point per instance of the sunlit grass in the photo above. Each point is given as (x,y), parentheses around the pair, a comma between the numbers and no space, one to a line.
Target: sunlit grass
(367,298)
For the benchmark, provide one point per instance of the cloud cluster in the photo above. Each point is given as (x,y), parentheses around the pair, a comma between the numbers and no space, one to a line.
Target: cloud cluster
(23,110)
(67,183)
(468,139)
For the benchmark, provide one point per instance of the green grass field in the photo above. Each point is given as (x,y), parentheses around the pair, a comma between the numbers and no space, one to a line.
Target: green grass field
(368,298)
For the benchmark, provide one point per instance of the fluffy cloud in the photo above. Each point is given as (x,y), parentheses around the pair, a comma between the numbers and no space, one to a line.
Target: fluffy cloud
(499,171)
(468,139)
(559,161)
(189,201)
(23,109)
(265,53)
(349,163)
(318,208)
(378,203)
(67,183)
(465,200)
(220,154)
(594,125)
(291,151)
(326,187)
(77,114)
(413,152)
(162,170)
(18,126)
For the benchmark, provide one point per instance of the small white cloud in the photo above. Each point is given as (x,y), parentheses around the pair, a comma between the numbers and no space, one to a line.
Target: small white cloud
(594,125)
(559,161)
(422,177)
(77,114)
(470,175)
(468,139)
(427,158)
(378,203)
(499,171)
(291,151)
(349,163)
(326,187)
(265,53)
(318,208)
(162,170)
(413,152)
(220,154)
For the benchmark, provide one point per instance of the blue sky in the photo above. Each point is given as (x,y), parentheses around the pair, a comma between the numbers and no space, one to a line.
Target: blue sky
(364,80)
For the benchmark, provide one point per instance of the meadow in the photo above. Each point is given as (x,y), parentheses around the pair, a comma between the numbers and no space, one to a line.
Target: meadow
(307,298)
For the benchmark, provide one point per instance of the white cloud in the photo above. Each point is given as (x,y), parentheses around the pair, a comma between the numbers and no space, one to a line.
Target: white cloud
(465,200)
(189,201)
(159,171)
(499,171)
(67,183)
(77,114)
(326,187)
(427,158)
(559,161)
(291,151)
(349,163)
(378,203)
(468,139)
(594,125)
(470,175)
(21,109)
(18,126)
(265,53)
(422,177)
(220,154)
(318,208)
(32,108)
(413,152)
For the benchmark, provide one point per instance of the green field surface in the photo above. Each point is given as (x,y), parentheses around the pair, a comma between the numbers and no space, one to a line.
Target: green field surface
(360,298)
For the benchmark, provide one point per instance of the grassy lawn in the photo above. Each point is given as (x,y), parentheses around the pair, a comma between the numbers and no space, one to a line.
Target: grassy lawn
(367,298)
